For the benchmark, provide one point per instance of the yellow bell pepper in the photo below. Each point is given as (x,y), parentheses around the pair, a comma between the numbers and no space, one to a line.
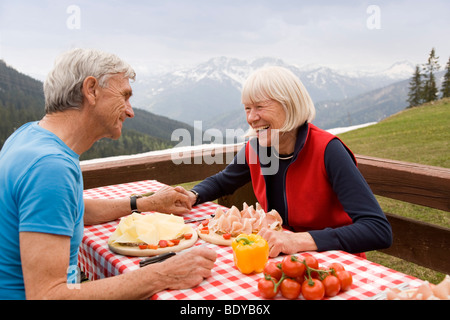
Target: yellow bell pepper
(250,253)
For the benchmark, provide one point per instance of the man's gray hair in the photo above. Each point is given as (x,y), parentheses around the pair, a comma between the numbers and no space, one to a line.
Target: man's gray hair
(62,88)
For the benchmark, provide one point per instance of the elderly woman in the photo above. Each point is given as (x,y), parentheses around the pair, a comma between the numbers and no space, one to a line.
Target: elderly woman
(307,174)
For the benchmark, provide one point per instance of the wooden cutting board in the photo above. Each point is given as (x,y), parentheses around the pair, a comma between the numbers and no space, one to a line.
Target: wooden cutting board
(214,238)
(137,252)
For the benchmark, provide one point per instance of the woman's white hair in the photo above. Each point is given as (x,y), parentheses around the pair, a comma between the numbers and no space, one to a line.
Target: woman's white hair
(62,87)
(281,85)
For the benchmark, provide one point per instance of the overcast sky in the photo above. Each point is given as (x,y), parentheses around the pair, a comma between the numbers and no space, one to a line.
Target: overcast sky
(156,34)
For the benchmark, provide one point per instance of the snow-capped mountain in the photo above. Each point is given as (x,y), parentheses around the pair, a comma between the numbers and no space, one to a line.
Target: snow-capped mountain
(398,71)
(211,90)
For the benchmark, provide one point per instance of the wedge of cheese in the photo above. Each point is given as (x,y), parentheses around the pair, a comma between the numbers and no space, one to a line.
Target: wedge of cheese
(149,228)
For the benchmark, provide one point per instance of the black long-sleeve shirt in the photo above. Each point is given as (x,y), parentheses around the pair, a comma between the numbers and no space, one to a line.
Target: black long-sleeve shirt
(370,229)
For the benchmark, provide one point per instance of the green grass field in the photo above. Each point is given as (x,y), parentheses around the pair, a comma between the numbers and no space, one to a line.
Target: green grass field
(419,135)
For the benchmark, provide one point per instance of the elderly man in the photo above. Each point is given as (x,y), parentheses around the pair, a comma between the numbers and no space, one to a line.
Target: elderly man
(41,200)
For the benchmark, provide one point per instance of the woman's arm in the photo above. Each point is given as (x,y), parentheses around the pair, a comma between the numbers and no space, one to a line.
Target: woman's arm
(370,229)
(234,176)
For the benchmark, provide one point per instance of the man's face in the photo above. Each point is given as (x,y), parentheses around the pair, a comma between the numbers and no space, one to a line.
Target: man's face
(113,105)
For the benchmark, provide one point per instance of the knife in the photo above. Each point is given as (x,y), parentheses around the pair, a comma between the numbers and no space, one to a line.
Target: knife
(156,259)
(198,219)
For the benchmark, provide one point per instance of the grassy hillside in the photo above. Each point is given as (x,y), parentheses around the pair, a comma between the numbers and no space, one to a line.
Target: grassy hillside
(419,135)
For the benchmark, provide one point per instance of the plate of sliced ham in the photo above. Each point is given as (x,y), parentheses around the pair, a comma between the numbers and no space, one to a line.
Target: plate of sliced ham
(426,291)
(226,225)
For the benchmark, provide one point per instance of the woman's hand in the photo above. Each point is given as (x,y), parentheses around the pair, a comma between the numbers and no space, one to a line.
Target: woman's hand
(287,242)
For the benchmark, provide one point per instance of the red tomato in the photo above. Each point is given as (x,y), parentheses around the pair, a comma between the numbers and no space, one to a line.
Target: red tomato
(320,275)
(336,266)
(345,278)
(226,236)
(300,279)
(313,290)
(187,236)
(292,267)
(332,285)
(204,230)
(290,289)
(162,243)
(273,268)
(312,262)
(266,288)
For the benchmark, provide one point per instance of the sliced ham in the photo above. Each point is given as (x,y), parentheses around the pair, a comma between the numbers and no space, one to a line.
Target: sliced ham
(249,220)
(425,291)
(247,226)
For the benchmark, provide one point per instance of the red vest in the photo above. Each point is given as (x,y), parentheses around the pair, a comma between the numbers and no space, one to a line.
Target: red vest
(311,201)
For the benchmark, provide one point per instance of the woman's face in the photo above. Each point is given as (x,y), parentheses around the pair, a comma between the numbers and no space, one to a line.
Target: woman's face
(266,118)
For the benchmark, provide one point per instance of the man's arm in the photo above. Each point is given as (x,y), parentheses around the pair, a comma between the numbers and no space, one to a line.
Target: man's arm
(166,200)
(45,261)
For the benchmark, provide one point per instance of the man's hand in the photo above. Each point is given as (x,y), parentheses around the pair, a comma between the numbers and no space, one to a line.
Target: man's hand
(188,269)
(167,200)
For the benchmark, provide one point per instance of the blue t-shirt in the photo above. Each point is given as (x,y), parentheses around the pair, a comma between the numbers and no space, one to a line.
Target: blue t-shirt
(41,191)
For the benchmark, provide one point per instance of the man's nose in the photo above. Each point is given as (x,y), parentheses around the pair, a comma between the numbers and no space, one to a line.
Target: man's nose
(129,110)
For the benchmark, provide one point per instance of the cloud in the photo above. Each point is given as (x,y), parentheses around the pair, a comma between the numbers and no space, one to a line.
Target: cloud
(156,33)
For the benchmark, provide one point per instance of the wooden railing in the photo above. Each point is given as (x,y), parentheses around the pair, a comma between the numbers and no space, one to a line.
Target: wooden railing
(419,242)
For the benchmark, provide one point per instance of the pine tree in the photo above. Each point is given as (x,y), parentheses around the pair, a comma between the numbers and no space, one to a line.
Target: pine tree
(415,89)
(445,89)
(430,91)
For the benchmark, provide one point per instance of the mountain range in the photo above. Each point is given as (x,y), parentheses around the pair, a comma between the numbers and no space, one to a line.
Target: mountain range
(22,100)
(210,92)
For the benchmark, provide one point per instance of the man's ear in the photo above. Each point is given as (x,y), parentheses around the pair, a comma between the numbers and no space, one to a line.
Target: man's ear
(89,90)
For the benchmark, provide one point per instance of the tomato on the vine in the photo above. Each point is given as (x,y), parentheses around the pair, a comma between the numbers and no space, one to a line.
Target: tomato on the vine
(273,268)
(336,266)
(312,262)
(313,289)
(300,279)
(332,285)
(266,287)
(295,276)
(292,267)
(290,289)
(319,274)
(345,278)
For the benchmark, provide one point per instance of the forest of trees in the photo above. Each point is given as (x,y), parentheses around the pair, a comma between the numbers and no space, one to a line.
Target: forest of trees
(130,142)
(423,87)
(22,101)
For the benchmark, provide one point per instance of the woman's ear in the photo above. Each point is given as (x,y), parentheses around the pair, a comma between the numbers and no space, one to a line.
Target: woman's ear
(89,90)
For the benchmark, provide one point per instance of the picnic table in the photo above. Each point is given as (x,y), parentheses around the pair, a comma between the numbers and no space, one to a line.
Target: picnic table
(226,282)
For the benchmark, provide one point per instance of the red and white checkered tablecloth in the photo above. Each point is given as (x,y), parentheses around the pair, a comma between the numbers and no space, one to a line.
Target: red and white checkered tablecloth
(226,282)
